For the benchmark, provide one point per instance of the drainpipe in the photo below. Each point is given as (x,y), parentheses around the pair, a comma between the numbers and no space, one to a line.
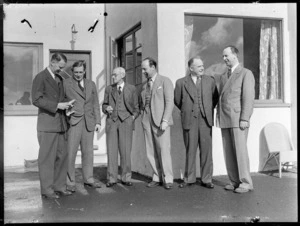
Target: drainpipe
(105,45)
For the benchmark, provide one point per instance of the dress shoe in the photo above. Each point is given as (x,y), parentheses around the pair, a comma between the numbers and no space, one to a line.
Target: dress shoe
(71,188)
(93,185)
(50,196)
(109,184)
(184,184)
(241,190)
(153,184)
(207,185)
(127,183)
(229,187)
(168,186)
(64,193)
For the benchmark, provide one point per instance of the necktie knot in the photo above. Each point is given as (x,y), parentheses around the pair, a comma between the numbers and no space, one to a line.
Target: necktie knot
(229,72)
(120,89)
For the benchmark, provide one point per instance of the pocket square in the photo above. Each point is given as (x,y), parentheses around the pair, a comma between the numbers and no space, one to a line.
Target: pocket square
(159,87)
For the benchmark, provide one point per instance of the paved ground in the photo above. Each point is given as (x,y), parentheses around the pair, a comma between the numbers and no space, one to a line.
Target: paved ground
(273,200)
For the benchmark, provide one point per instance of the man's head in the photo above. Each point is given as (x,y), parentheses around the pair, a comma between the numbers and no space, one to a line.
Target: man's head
(58,62)
(196,67)
(118,75)
(149,67)
(230,56)
(78,69)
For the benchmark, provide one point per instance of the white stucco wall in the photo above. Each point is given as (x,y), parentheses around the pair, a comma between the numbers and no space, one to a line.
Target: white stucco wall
(51,25)
(170,29)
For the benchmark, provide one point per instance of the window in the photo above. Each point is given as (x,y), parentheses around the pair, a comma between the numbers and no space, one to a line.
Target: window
(130,52)
(22,61)
(259,44)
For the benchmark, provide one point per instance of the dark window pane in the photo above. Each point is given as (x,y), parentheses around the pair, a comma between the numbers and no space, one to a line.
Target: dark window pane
(128,43)
(129,60)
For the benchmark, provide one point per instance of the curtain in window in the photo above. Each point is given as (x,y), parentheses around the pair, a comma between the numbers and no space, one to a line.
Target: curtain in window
(188,33)
(269,63)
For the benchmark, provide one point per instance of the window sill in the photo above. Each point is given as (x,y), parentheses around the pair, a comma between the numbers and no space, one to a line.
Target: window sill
(271,104)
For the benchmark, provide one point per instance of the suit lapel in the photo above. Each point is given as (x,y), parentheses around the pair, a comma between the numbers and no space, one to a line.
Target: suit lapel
(52,82)
(88,88)
(227,82)
(156,84)
(188,84)
(114,92)
(77,89)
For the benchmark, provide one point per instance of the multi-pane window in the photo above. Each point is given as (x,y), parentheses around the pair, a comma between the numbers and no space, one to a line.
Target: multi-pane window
(258,42)
(130,50)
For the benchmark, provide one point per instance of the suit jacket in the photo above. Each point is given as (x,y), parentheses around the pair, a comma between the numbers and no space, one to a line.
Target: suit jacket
(185,97)
(236,98)
(162,100)
(86,105)
(130,98)
(46,96)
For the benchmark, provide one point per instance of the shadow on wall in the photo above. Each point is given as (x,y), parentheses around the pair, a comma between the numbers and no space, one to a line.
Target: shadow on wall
(100,88)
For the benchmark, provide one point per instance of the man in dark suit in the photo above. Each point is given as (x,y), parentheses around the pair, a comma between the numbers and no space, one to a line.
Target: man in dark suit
(196,95)
(234,110)
(121,107)
(156,102)
(48,95)
(84,120)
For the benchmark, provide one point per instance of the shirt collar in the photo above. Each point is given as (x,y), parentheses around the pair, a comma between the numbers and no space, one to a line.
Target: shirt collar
(154,77)
(121,85)
(234,67)
(51,73)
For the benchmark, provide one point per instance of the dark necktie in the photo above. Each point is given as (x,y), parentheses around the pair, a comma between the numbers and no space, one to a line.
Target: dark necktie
(57,79)
(229,72)
(198,81)
(120,90)
(80,86)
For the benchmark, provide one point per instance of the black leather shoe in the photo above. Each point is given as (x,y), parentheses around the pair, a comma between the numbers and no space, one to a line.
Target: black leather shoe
(153,184)
(127,183)
(168,186)
(50,196)
(93,185)
(64,193)
(109,184)
(207,185)
(184,184)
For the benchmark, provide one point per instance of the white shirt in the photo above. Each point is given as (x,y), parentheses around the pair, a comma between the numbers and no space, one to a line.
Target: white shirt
(234,67)
(51,73)
(121,85)
(194,77)
(82,83)
(153,78)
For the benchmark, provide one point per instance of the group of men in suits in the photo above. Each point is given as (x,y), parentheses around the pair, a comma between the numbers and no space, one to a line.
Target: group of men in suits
(196,95)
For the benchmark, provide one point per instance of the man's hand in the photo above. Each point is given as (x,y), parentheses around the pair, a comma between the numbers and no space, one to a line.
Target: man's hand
(69,111)
(65,105)
(244,125)
(163,125)
(97,128)
(109,109)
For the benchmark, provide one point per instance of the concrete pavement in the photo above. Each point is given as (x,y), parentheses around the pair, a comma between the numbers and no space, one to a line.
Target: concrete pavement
(273,200)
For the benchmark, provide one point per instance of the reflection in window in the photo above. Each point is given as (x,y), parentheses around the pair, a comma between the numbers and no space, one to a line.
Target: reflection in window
(258,42)
(22,61)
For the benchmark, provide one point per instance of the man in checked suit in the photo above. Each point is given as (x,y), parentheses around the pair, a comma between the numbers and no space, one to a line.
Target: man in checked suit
(48,95)
(121,107)
(196,95)
(234,110)
(84,120)
(156,102)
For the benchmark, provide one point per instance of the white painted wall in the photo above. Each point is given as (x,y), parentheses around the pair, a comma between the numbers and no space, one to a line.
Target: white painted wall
(170,29)
(51,25)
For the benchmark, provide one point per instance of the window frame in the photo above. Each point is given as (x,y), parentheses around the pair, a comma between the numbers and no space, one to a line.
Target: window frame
(25,110)
(261,103)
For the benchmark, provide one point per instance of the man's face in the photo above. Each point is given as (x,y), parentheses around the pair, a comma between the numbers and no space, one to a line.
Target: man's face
(117,76)
(147,70)
(197,67)
(229,58)
(57,66)
(78,73)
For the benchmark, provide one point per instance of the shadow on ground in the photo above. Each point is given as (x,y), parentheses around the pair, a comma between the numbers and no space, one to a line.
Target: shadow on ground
(273,200)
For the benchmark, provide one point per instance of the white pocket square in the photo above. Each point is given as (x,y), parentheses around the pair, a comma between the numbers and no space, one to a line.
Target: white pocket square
(159,87)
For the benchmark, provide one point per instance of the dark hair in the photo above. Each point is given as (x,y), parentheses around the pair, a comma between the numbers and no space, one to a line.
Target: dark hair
(192,60)
(58,57)
(79,63)
(233,49)
(151,61)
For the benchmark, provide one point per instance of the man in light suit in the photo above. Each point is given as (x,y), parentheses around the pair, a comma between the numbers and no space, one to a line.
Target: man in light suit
(234,110)
(84,119)
(48,95)
(156,102)
(196,95)
(121,107)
